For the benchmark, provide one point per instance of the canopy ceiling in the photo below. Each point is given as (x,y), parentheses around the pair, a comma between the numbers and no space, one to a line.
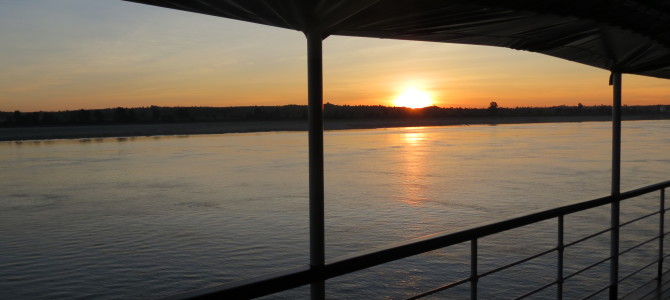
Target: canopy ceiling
(628,36)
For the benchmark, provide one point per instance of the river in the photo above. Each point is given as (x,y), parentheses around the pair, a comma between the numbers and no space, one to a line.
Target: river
(145,217)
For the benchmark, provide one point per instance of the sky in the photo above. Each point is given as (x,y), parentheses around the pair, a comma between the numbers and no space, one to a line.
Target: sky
(83,54)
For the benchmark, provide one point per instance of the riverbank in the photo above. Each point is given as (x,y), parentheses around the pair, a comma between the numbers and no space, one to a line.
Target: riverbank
(128,130)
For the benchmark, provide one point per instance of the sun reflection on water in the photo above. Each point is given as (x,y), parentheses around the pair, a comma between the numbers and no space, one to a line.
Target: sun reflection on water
(414,166)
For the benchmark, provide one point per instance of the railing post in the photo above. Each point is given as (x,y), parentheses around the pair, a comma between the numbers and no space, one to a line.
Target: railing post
(316,168)
(615,81)
(561,250)
(474,276)
(661,236)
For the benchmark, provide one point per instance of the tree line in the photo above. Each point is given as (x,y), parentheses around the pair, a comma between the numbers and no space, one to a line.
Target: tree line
(156,114)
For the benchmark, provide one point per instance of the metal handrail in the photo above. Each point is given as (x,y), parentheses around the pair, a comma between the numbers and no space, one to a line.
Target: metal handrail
(638,219)
(638,245)
(589,267)
(439,289)
(282,281)
(638,271)
(378,256)
(518,262)
(588,237)
(255,287)
(454,284)
(596,293)
(537,290)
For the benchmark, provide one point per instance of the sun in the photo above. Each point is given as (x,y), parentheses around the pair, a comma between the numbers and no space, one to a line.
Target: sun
(413,98)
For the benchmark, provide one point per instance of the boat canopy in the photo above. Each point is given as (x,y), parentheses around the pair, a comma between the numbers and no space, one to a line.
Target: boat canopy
(624,36)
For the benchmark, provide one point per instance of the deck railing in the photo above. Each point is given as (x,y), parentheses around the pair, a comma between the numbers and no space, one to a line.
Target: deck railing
(289,279)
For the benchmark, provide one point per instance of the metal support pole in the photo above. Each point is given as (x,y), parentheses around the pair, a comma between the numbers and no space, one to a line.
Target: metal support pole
(474,276)
(561,249)
(316,170)
(616,184)
(661,236)
(616,134)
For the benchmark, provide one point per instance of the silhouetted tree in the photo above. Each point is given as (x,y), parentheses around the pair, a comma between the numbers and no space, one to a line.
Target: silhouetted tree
(299,112)
(155,113)
(48,118)
(98,117)
(183,113)
(493,108)
(18,118)
(120,114)
(31,119)
(82,117)
(123,115)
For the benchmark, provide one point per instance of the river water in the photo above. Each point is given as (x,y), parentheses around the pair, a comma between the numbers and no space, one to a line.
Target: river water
(146,217)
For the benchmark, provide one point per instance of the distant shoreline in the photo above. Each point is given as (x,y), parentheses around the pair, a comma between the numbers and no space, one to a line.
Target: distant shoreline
(134,130)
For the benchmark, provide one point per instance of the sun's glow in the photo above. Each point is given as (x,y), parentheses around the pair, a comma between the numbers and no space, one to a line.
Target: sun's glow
(413,98)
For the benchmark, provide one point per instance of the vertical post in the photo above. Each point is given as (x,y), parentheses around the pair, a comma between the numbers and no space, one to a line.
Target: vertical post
(316,169)
(661,236)
(615,81)
(561,250)
(474,276)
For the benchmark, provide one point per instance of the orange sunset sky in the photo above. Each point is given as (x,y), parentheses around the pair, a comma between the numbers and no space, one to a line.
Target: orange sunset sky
(72,54)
